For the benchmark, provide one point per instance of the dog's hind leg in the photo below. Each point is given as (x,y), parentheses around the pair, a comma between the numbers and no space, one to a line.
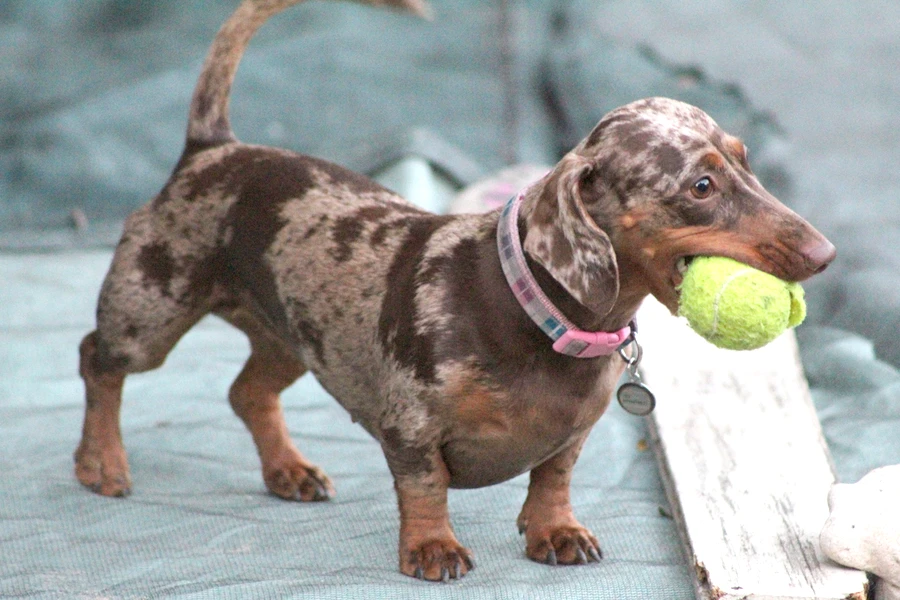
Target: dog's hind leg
(100,460)
(255,398)
(145,306)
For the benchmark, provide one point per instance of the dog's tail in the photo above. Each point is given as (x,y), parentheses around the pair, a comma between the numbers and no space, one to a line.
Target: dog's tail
(208,123)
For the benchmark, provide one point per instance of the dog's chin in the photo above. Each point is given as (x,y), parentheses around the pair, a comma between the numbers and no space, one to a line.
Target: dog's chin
(666,289)
(666,292)
(668,298)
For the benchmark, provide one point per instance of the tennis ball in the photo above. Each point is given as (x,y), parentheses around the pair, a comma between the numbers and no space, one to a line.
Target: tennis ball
(735,306)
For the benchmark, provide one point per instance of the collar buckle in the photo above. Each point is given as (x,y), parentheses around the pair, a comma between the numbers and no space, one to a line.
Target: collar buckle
(587,344)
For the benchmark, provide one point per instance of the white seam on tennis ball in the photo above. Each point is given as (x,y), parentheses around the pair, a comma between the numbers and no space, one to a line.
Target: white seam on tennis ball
(725,284)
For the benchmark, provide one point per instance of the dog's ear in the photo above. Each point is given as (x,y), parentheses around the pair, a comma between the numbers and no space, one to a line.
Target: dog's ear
(564,239)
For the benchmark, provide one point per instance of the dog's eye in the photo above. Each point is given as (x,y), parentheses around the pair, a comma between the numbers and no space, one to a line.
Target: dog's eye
(702,188)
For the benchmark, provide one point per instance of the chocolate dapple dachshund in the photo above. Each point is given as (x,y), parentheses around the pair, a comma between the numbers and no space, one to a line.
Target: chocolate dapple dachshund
(431,330)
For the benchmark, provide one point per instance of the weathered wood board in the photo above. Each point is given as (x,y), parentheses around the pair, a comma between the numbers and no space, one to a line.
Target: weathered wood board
(745,464)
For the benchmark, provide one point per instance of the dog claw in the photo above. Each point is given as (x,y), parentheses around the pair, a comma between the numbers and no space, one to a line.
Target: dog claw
(119,491)
(562,545)
(301,483)
(437,561)
(551,558)
(96,476)
(320,490)
(321,494)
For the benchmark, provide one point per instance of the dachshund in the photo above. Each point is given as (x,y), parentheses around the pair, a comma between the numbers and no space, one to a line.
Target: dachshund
(418,323)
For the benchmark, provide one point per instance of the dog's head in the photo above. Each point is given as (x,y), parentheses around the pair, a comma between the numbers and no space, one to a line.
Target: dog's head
(654,184)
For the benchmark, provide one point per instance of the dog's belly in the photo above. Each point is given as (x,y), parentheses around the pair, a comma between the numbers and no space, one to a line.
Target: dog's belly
(480,463)
(507,444)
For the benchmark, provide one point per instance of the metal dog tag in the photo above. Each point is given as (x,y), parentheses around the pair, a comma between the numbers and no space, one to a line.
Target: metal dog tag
(635,397)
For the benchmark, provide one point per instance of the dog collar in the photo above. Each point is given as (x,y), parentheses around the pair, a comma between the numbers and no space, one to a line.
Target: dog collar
(567,339)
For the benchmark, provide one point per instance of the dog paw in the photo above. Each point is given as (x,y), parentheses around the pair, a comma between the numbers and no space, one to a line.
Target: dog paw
(300,482)
(104,473)
(437,560)
(566,545)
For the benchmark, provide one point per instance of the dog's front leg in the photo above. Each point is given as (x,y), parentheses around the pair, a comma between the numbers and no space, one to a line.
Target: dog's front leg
(552,533)
(428,547)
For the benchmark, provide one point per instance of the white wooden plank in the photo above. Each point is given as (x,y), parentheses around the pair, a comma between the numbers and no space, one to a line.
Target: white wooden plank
(745,464)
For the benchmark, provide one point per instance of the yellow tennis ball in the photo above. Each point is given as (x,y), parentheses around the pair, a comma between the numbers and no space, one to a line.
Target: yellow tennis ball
(738,307)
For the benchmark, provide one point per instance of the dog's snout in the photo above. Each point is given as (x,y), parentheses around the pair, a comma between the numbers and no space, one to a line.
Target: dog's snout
(818,255)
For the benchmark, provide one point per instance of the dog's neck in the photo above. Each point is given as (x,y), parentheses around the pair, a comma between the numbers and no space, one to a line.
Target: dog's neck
(566,336)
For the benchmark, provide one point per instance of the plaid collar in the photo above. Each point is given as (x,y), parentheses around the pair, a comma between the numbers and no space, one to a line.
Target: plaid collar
(567,339)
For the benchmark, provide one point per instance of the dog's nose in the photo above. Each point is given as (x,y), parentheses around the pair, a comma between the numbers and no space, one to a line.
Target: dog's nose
(818,255)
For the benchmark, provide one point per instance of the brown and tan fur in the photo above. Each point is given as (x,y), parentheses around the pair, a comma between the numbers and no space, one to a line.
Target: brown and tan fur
(405,317)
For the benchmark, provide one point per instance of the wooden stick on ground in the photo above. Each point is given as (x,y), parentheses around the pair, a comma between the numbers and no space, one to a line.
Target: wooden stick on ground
(744,462)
